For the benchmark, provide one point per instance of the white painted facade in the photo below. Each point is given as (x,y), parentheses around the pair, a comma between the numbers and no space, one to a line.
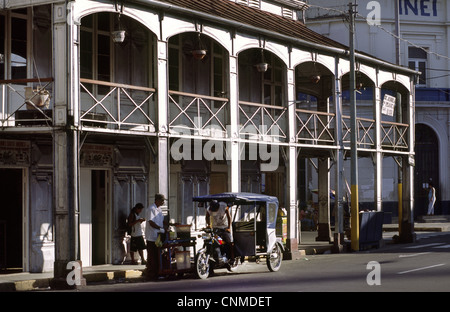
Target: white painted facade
(108,139)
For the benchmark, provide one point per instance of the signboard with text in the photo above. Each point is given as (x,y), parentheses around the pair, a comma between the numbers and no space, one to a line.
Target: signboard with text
(388,105)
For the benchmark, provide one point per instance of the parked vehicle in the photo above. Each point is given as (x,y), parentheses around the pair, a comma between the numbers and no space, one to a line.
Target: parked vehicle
(254,233)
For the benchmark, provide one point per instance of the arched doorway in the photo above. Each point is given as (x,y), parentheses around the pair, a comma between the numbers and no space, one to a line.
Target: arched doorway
(426,169)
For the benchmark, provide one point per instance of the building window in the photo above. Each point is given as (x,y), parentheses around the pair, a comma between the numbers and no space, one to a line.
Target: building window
(174,67)
(14,59)
(288,13)
(18,48)
(251,3)
(2,47)
(266,87)
(25,43)
(128,62)
(273,81)
(95,49)
(218,71)
(200,76)
(417,60)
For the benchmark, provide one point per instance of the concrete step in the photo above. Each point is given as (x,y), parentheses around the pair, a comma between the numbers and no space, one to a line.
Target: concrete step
(434,219)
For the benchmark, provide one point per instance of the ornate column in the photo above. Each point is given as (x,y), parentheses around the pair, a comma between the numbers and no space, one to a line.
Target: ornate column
(65,153)
(233,128)
(293,234)
(378,156)
(162,123)
(323,230)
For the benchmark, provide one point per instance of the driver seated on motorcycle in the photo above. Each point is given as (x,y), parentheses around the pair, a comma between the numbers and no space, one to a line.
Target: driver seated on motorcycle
(218,217)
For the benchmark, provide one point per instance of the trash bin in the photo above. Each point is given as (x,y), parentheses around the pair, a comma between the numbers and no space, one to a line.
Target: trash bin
(370,229)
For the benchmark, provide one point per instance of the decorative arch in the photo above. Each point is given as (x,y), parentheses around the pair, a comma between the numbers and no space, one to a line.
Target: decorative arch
(280,51)
(386,77)
(365,88)
(363,75)
(148,19)
(314,78)
(443,145)
(256,77)
(306,57)
(396,88)
(427,164)
(203,36)
(196,69)
(116,74)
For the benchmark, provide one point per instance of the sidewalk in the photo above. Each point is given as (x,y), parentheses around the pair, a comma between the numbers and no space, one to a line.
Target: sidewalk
(25,281)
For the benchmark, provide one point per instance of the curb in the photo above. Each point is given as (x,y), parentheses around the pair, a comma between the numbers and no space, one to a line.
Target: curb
(25,285)
(421,227)
(112,275)
(94,277)
(315,250)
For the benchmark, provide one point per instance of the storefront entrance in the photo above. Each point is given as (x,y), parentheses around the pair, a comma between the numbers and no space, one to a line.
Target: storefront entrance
(95,216)
(11,219)
(426,169)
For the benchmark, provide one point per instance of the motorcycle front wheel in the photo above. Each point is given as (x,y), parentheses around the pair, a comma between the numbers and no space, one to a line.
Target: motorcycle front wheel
(202,264)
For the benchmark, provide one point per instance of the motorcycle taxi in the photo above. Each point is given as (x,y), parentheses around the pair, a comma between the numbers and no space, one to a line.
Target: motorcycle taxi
(254,219)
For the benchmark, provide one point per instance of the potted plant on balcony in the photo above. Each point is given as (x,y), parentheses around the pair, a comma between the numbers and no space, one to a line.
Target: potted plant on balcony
(39,97)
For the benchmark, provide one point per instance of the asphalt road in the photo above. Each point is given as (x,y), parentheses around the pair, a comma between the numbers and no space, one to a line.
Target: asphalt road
(420,267)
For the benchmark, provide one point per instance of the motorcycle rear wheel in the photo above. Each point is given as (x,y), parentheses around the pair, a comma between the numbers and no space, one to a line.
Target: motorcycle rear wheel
(274,258)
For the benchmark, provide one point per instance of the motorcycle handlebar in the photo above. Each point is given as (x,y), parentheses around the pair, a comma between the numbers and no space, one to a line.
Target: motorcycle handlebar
(211,230)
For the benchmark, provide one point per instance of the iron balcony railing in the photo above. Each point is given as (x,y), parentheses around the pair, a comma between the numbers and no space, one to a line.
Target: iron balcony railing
(195,114)
(315,127)
(318,128)
(117,106)
(394,135)
(366,132)
(26,102)
(262,122)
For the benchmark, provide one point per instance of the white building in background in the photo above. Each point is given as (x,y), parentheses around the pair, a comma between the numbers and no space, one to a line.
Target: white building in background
(424,45)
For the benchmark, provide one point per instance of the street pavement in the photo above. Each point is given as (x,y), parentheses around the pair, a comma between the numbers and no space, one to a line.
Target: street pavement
(26,281)
(411,267)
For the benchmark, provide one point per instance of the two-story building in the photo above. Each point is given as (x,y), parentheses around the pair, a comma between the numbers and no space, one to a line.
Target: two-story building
(105,103)
(420,41)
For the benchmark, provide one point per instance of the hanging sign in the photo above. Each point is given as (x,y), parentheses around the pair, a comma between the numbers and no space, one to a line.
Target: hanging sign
(388,105)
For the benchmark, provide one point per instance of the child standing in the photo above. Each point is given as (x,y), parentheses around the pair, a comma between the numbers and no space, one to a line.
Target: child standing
(137,243)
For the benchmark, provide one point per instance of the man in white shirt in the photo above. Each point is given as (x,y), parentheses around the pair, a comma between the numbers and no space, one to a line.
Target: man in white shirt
(154,226)
(218,217)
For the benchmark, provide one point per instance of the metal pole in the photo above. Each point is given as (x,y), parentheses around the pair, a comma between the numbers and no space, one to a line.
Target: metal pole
(399,116)
(397,32)
(339,154)
(354,136)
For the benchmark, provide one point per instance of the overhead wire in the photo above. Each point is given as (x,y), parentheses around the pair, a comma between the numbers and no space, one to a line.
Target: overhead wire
(345,13)
(410,43)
